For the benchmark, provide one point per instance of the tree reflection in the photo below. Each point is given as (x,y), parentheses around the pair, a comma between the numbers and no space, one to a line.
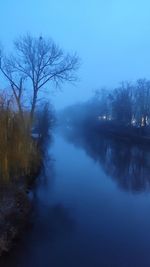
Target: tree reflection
(128,164)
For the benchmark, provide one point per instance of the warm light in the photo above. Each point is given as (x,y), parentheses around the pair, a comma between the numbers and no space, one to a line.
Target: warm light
(133,121)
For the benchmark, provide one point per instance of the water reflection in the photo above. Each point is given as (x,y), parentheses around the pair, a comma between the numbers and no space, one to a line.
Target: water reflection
(49,223)
(54,223)
(36,248)
(80,217)
(128,164)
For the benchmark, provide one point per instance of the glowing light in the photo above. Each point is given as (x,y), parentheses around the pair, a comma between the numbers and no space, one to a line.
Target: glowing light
(133,121)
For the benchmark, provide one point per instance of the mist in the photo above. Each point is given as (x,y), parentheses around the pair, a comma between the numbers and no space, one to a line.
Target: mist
(111,38)
(75,133)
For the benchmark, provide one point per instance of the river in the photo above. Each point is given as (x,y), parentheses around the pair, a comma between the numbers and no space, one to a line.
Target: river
(91,208)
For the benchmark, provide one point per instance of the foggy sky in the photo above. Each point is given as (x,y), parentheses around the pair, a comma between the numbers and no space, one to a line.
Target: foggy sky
(112,38)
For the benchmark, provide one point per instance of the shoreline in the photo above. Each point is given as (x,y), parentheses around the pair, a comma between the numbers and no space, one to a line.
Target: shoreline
(134,135)
(14,210)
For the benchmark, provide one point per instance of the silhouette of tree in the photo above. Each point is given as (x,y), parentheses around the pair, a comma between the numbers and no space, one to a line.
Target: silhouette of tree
(35,63)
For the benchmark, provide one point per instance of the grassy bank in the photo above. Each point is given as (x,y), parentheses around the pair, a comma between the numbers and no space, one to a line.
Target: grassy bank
(21,157)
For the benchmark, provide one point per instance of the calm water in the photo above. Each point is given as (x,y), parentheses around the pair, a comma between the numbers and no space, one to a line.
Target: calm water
(92,208)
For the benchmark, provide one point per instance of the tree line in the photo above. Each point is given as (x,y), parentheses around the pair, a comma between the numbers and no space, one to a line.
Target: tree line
(127,106)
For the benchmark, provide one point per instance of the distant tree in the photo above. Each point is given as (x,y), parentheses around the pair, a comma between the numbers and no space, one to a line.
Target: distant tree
(142,101)
(101,103)
(122,104)
(35,63)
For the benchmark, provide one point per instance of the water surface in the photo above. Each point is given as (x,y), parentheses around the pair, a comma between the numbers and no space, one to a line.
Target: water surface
(92,208)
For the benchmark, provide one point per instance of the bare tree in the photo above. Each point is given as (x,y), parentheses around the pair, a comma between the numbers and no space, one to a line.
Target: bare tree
(122,104)
(36,62)
(142,101)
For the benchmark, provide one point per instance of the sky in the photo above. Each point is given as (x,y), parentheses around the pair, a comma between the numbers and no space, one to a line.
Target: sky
(111,37)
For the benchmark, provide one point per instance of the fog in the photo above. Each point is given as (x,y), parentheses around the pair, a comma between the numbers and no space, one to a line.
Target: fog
(75,133)
(111,38)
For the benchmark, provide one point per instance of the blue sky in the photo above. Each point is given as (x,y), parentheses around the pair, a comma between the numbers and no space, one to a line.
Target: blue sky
(112,38)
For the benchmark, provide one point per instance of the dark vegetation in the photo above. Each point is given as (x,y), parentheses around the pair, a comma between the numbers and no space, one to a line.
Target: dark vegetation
(123,112)
(114,129)
(127,163)
(25,123)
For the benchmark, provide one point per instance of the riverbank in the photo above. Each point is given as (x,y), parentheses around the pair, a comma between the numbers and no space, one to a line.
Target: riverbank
(131,134)
(15,207)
